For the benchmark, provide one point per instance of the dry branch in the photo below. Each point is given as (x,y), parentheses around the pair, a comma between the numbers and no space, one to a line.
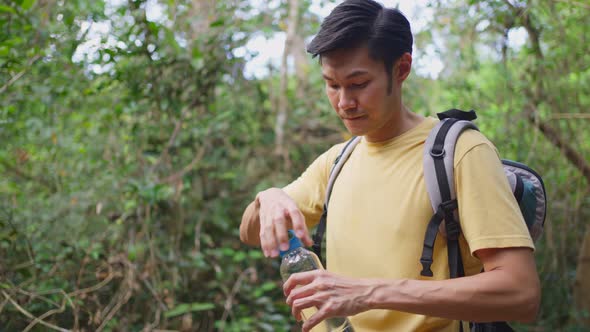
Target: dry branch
(31,316)
(20,74)
(178,175)
(45,315)
(570,116)
(122,296)
(230,298)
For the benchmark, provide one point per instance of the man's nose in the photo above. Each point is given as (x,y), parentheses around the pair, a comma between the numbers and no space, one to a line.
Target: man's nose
(346,100)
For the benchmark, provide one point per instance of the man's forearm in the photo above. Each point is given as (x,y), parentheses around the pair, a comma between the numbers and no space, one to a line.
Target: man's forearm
(250,226)
(485,297)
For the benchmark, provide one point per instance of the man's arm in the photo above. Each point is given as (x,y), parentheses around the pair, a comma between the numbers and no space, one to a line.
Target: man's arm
(250,225)
(267,219)
(509,290)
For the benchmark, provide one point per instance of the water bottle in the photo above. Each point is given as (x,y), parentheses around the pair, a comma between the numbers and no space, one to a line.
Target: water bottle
(298,259)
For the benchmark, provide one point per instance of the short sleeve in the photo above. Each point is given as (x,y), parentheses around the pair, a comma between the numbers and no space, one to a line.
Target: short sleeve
(309,190)
(488,212)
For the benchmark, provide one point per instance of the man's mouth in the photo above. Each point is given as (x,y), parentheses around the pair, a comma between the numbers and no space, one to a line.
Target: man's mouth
(352,118)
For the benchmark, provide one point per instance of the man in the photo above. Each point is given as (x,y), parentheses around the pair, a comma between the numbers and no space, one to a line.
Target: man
(379,208)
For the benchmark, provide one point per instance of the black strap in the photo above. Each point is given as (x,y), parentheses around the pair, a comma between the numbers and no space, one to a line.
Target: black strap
(438,148)
(458,114)
(318,236)
(455,261)
(428,248)
(445,208)
(491,327)
(518,188)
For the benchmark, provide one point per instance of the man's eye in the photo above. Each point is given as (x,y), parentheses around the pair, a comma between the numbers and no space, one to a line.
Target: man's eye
(360,85)
(333,86)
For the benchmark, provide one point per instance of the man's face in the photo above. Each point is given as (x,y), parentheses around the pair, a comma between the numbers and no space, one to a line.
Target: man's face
(357,87)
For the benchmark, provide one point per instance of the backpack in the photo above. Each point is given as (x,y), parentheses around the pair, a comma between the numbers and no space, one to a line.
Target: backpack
(439,149)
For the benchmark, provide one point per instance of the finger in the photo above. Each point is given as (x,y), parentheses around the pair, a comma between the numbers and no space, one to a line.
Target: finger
(267,235)
(299,279)
(277,220)
(302,304)
(281,234)
(299,226)
(301,292)
(314,320)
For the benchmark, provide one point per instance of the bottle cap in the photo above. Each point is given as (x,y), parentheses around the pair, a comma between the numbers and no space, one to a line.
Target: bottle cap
(294,243)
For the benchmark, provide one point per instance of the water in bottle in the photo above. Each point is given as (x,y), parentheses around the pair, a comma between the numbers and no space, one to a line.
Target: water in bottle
(298,259)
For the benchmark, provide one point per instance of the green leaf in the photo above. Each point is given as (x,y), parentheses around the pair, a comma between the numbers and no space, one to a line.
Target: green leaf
(188,307)
(4,51)
(217,23)
(240,256)
(7,9)
(197,54)
(154,28)
(27,4)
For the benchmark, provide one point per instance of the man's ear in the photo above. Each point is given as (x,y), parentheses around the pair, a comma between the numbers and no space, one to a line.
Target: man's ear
(403,68)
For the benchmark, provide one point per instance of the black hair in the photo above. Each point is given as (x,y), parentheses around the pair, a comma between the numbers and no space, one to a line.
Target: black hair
(354,23)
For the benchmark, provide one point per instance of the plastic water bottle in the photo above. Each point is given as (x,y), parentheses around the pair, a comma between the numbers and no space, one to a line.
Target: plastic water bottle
(298,259)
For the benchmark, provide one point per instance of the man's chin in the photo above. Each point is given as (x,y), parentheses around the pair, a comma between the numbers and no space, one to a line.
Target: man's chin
(356,131)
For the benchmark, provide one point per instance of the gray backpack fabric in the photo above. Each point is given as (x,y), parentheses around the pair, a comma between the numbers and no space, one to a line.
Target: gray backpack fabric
(439,149)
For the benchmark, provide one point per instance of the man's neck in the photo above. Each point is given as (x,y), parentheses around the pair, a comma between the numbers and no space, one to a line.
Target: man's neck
(403,121)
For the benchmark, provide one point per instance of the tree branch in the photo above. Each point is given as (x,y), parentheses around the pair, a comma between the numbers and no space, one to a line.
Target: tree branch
(553,136)
(570,116)
(230,298)
(537,96)
(174,177)
(45,315)
(30,316)
(20,74)
(164,154)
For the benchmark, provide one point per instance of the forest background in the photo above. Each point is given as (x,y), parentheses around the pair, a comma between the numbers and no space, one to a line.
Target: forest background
(124,169)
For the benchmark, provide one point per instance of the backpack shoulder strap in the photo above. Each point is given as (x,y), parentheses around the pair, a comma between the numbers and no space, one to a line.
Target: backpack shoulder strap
(318,237)
(439,153)
(439,156)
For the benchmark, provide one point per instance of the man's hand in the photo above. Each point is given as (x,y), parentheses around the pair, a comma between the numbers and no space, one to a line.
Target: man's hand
(332,295)
(278,213)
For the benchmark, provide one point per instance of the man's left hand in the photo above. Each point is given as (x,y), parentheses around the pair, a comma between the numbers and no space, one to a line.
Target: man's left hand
(331,294)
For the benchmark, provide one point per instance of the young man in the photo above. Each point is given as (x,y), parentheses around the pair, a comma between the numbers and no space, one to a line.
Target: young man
(379,208)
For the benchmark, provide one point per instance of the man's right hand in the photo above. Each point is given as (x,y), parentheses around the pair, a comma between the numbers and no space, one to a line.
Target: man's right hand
(277,213)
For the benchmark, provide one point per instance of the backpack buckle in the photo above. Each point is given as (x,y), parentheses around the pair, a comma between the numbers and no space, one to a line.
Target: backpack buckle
(437,154)
(447,210)
(449,206)
(426,271)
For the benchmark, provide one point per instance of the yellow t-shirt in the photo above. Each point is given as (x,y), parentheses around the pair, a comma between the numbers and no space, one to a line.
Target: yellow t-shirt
(379,211)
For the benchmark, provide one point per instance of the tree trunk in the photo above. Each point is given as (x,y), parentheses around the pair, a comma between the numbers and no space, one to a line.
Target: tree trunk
(283,94)
(201,15)
(301,69)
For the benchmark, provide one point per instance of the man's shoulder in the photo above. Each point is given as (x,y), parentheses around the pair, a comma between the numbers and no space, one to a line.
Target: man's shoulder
(469,140)
(323,163)
(335,150)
